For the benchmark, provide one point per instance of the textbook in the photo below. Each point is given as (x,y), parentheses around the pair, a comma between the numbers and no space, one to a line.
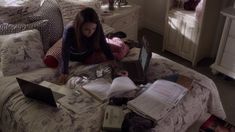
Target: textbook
(158,99)
(215,124)
(180,79)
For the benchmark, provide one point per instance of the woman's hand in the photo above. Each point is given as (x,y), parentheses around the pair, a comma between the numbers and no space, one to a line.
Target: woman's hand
(62,79)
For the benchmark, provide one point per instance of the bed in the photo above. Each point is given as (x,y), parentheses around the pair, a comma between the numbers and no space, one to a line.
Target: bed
(18,113)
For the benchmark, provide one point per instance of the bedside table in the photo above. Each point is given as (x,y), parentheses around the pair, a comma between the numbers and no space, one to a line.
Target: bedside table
(123,19)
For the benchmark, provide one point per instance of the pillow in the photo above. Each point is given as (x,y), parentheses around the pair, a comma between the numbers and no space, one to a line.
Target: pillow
(41,25)
(21,52)
(2,38)
(118,47)
(53,55)
(12,11)
(50,11)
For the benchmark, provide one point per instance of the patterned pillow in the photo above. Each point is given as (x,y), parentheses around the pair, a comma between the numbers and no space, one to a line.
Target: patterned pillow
(12,11)
(21,52)
(50,11)
(41,25)
(53,55)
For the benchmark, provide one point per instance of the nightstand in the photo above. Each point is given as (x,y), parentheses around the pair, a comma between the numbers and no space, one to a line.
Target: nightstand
(123,19)
(225,59)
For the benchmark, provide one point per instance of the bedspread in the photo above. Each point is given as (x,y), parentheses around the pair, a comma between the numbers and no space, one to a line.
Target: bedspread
(18,113)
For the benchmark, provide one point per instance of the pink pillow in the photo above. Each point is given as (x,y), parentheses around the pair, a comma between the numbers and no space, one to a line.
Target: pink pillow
(118,47)
(53,55)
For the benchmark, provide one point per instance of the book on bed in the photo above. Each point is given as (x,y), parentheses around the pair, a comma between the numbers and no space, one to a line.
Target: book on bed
(158,99)
(180,79)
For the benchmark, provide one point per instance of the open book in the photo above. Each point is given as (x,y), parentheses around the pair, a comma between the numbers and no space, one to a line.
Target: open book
(102,89)
(98,88)
(158,99)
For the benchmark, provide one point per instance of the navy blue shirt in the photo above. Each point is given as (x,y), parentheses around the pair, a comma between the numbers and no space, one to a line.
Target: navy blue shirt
(70,49)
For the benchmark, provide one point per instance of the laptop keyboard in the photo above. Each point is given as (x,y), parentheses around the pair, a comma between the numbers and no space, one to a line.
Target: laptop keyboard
(57,95)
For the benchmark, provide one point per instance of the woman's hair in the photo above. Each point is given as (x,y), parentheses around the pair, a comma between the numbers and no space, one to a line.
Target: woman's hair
(88,15)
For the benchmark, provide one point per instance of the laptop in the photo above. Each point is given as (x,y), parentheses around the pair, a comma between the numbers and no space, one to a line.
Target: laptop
(39,92)
(137,69)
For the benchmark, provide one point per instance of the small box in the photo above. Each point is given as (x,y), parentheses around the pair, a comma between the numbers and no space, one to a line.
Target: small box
(113,118)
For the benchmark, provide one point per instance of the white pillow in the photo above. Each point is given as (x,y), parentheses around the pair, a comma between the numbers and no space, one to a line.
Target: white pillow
(41,25)
(120,86)
(12,11)
(21,52)
(2,38)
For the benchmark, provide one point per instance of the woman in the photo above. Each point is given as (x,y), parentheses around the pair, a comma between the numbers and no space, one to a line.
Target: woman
(83,40)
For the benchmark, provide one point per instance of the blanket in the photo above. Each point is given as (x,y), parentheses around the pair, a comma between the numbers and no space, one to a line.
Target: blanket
(18,113)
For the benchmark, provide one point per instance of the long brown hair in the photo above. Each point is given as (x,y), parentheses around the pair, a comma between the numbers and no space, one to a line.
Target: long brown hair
(87,15)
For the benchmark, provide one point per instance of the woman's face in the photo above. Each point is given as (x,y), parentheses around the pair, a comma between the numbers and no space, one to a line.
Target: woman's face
(88,29)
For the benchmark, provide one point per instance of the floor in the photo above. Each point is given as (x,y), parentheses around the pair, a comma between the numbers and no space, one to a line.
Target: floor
(225,85)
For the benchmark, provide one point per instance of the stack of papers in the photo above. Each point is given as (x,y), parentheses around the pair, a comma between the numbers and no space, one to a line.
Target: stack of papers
(158,99)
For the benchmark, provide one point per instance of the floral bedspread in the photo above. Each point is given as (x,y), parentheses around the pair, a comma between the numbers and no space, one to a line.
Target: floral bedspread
(18,113)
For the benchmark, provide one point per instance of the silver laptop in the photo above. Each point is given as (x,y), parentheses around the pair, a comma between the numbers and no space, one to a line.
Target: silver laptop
(39,92)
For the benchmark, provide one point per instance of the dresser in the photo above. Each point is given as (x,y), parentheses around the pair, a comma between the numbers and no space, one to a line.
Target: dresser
(123,19)
(225,59)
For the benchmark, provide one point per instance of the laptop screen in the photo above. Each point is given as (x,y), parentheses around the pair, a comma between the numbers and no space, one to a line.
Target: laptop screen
(143,57)
(37,92)
(145,54)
